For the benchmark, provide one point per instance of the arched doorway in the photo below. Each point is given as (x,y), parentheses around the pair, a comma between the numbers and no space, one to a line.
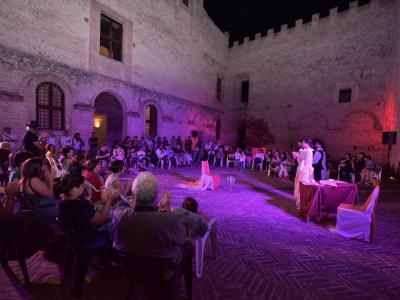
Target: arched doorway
(108,118)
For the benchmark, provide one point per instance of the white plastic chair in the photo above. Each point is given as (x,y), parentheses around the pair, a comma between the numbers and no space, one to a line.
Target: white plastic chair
(258,165)
(230,159)
(201,243)
(357,221)
(160,163)
(215,161)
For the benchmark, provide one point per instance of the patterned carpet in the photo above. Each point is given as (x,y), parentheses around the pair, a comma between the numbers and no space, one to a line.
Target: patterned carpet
(265,250)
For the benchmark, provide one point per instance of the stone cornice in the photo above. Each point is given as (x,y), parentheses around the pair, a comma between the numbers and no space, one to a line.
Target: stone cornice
(8,57)
(10,96)
(83,107)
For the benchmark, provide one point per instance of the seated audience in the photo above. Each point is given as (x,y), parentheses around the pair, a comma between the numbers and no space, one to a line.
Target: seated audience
(52,158)
(113,181)
(92,176)
(76,167)
(37,187)
(346,168)
(259,157)
(370,171)
(118,153)
(66,158)
(359,164)
(17,160)
(219,156)
(4,161)
(161,235)
(275,164)
(79,215)
(194,222)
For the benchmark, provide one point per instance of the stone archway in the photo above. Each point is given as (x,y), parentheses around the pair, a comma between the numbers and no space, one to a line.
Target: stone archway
(108,118)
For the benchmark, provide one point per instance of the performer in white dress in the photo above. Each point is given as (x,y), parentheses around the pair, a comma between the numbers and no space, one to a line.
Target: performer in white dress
(296,156)
(305,170)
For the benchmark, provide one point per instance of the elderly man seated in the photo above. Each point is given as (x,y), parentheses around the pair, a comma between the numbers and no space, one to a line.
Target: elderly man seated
(141,231)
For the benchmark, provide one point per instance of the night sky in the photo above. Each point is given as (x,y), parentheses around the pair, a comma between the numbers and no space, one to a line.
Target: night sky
(248,17)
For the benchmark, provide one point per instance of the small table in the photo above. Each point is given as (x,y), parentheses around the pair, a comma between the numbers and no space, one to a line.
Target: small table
(319,201)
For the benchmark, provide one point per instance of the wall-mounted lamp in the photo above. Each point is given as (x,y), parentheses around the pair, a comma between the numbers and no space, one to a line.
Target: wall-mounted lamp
(97,123)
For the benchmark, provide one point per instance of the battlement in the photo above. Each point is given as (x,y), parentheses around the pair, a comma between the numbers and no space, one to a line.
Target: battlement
(334,13)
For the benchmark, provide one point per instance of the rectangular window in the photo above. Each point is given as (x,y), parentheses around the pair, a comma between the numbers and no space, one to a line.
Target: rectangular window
(186,2)
(244,97)
(111,38)
(219,89)
(345,96)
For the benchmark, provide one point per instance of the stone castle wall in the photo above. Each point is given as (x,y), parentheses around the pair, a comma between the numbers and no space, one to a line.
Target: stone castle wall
(295,76)
(172,55)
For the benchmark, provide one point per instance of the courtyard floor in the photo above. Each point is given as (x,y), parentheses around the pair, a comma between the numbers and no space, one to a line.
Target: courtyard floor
(265,250)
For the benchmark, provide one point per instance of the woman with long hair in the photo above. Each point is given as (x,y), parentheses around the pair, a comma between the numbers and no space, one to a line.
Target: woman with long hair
(37,184)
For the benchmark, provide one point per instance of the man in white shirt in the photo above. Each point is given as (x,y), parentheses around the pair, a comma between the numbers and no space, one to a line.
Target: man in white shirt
(66,140)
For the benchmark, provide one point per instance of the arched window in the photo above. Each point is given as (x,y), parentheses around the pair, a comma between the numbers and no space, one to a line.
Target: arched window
(218,129)
(50,110)
(151,121)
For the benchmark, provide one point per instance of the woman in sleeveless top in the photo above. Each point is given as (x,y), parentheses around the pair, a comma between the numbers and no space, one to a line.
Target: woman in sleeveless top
(37,187)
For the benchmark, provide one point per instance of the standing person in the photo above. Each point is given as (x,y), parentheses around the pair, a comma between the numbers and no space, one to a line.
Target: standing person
(66,140)
(93,144)
(31,140)
(305,171)
(242,160)
(9,137)
(77,142)
(319,161)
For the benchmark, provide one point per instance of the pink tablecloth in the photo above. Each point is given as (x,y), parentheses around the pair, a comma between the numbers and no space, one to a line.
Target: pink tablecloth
(318,201)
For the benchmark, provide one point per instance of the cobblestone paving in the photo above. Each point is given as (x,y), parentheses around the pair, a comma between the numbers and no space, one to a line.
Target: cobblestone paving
(265,250)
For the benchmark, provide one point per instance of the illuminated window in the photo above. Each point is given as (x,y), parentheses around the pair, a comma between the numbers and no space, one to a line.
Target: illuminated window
(50,110)
(151,121)
(110,38)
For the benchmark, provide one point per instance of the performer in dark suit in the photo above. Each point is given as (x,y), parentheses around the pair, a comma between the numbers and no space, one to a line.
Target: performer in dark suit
(319,161)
